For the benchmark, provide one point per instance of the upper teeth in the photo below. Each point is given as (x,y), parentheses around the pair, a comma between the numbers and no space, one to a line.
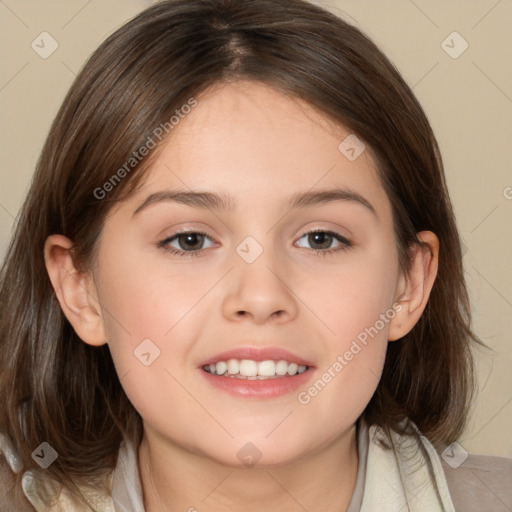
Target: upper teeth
(250,368)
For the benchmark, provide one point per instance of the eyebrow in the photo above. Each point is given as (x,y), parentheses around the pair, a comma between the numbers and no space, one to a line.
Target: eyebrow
(209,200)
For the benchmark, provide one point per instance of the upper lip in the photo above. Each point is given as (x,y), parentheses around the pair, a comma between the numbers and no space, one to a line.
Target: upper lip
(257,354)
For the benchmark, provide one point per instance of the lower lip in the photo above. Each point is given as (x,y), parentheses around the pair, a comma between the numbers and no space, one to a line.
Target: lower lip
(268,388)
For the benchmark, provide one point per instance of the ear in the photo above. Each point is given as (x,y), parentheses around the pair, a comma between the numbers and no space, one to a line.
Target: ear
(414,288)
(75,291)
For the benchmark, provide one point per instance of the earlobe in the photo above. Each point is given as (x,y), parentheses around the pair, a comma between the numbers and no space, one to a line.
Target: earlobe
(75,291)
(415,287)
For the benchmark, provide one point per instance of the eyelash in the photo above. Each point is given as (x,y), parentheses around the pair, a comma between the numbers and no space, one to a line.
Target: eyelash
(345,244)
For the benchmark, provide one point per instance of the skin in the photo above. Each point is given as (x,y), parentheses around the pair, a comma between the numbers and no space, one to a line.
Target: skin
(260,146)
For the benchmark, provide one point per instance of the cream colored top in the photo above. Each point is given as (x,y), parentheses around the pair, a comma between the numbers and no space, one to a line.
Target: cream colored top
(409,476)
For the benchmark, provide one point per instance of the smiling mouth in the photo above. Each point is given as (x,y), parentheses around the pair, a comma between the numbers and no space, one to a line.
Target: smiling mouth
(254,370)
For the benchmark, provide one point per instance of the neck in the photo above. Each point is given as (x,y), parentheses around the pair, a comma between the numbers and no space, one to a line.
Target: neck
(175,479)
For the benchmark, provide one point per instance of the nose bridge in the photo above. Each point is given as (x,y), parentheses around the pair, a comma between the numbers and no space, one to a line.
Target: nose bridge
(259,288)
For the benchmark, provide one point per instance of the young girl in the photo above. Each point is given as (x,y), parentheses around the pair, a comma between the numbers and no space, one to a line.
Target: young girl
(236,282)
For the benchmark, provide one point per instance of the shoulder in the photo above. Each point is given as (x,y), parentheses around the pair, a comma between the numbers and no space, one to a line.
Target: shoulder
(462,482)
(478,482)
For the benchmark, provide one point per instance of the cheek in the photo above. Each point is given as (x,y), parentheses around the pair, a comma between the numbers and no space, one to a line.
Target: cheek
(353,296)
(356,304)
(148,320)
(151,320)
(140,301)
(148,343)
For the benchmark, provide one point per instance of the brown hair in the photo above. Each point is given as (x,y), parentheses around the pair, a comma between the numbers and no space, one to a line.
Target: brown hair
(54,387)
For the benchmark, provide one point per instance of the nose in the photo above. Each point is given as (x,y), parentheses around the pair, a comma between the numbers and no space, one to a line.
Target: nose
(260,292)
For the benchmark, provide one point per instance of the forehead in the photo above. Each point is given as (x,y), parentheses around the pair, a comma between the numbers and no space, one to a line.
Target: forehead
(249,141)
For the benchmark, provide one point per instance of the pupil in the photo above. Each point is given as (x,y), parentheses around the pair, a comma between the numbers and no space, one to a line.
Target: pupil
(321,239)
(190,239)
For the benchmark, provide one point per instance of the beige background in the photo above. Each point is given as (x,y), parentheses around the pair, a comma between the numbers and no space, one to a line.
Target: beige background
(467,99)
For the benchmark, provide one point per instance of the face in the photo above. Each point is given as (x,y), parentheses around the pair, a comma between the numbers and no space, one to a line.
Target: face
(265,277)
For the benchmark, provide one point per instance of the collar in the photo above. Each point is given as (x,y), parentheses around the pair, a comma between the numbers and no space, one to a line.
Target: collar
(397,474)
(126,487)
(405,475)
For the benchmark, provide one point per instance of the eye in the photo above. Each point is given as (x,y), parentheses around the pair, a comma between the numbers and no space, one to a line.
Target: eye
(323,239)
(189,243)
